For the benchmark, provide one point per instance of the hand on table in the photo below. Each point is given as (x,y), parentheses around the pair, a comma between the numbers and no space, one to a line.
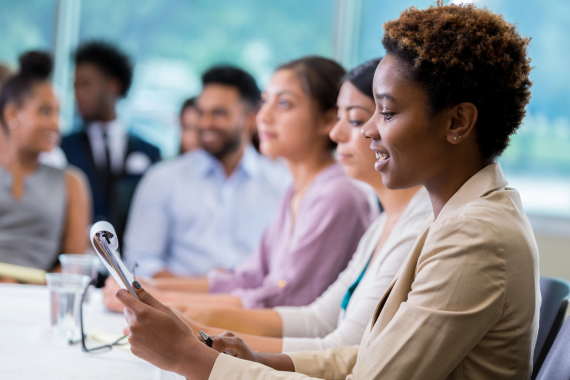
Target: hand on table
(159,336)
(164,274)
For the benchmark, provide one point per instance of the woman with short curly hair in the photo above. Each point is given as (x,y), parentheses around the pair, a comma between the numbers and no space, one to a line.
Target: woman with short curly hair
(450,92)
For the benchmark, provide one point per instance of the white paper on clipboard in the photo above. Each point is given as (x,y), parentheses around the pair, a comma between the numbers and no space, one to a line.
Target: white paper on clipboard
(105,243)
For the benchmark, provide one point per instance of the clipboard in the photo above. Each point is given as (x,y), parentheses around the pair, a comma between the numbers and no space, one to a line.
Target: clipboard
(105,243)
(25,274)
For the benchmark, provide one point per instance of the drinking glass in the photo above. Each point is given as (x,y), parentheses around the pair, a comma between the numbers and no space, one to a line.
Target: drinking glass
(80,264)
(65,291)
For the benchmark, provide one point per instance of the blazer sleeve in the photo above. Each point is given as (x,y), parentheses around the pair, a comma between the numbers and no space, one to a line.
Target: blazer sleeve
(335,363)
(457,296)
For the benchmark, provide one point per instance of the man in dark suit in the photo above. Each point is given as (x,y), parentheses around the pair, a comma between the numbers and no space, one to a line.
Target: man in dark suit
(113,159)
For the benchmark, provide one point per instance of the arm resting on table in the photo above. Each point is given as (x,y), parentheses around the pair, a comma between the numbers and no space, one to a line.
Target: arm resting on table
(194,285)
(261,322)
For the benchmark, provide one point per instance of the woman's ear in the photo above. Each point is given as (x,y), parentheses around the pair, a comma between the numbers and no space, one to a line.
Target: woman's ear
(463,118)
(329,120)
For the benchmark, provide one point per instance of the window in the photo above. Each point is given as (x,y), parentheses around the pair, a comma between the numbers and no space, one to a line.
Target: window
(173,41)
(537,162)
(25,25)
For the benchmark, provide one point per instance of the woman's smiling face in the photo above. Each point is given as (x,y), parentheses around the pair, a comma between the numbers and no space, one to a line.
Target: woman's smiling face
(353,151)
(409,143)
(38,120)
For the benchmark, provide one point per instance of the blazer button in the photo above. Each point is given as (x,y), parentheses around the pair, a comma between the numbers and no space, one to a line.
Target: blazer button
(282,283)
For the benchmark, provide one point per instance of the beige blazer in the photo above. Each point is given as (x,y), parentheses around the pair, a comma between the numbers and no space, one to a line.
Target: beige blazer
(464,304)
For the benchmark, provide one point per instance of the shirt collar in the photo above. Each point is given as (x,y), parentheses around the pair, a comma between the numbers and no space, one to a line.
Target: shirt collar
(206,164)
(113,127)
(485,181)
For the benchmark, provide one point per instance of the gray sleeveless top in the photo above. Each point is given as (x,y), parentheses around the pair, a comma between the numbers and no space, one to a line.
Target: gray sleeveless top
(31,228)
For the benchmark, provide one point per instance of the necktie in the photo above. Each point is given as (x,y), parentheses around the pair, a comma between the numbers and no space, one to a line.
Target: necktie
(106,173)
(107,153)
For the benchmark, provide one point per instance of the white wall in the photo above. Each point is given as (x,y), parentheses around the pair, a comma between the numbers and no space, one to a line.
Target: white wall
(554,256)
(553,239)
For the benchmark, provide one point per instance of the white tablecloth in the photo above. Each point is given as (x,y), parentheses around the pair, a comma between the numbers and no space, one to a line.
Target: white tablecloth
(28,349)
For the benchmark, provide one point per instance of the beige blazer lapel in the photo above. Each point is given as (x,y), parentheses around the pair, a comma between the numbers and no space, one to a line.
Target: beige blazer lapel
(383,298)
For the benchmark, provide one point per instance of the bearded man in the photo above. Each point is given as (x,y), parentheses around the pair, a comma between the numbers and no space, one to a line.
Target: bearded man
(207,208)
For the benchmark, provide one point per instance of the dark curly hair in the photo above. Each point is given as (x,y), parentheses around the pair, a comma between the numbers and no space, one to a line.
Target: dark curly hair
(460,53)
(235,77)
(109,59)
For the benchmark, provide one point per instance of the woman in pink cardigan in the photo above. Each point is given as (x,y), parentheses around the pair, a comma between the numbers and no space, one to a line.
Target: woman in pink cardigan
(321,218)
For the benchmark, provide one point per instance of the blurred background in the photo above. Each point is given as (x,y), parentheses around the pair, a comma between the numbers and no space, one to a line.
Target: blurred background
(173,41)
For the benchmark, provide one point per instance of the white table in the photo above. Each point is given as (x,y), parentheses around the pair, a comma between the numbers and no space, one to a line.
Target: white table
(28,349)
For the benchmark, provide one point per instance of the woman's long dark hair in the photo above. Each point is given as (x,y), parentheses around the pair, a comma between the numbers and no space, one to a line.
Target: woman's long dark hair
(362,76)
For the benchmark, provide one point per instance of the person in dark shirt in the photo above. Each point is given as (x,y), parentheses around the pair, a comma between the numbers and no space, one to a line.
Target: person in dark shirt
(113,159)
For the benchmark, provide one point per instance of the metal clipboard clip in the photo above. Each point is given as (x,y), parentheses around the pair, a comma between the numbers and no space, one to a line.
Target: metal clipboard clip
(105,243)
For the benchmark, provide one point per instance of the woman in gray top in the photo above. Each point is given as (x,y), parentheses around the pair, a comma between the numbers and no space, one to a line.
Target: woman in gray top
(43,211)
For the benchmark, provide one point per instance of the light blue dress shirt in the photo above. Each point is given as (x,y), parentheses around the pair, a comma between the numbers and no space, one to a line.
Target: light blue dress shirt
(188,217)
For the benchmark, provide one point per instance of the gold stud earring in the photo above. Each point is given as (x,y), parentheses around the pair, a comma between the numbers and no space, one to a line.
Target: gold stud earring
(455,138)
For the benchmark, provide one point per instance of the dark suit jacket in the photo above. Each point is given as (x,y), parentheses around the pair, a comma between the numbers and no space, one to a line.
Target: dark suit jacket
(115,209)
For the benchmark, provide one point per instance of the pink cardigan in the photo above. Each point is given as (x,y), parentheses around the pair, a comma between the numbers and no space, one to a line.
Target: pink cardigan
(295,264)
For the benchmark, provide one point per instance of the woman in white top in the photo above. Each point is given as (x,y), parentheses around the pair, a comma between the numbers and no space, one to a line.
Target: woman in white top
(339,317)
